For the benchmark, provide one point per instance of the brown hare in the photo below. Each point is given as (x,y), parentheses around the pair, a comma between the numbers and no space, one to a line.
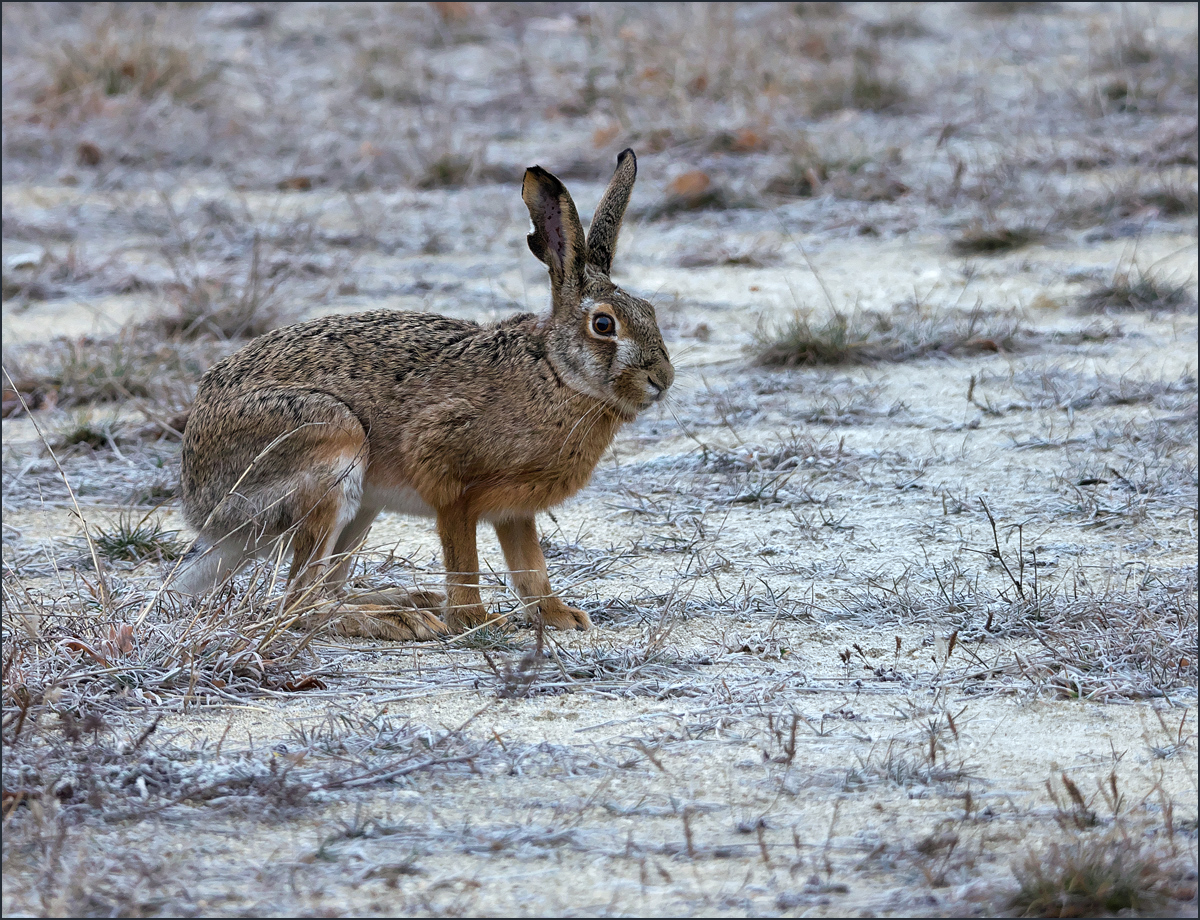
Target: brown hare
(309,432)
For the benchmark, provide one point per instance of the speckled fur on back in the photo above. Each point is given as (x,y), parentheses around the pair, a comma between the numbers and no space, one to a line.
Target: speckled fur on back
(312,430)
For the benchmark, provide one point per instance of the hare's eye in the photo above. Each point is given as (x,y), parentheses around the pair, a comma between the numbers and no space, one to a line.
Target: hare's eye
(603,324)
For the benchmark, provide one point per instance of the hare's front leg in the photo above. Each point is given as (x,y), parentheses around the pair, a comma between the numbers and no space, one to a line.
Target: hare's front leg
(464,607)
(527,574)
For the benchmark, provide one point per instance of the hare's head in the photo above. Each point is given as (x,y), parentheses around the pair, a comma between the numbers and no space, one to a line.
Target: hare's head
(602,340)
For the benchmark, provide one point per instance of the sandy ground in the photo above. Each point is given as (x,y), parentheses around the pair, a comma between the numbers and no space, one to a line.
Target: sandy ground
(812,688)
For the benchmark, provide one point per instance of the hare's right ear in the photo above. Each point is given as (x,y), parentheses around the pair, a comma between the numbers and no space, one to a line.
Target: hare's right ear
(606,224)
(557,236)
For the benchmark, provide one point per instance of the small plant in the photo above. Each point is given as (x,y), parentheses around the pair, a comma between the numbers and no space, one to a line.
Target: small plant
(116,61)
(862,336)
(488,638)
(128,540)
(989,239)
(1129,293)
(1098,876)
(72,372)
(86,430)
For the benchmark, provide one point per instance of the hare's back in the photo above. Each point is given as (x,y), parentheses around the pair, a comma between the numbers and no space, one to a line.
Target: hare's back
(342,355)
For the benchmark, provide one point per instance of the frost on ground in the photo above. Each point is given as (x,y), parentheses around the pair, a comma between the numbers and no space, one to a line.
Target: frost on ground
(895,598)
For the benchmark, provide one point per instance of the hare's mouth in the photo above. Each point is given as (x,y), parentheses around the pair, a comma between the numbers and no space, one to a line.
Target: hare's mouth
(654,392)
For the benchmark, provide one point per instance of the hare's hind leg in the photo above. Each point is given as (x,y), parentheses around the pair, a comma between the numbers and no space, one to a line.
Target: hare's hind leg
(391,613)
(527,574)
(285,464)
(322,544)
(388,613)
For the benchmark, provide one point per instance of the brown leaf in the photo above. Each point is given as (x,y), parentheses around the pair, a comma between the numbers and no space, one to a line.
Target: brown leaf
(295,184)
(302,683)
(75,645)
(691,184)
(120,638)
(747,141)
(453,12)
(88,154)
(605,135)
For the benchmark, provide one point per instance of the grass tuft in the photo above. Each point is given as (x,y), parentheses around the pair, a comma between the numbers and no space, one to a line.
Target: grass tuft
(866,87)
(130,540)
(990,239)
(911,331)
(122,58)
(1099,876)
(74,372)
(1170,198)
(84,429)
(1128,293)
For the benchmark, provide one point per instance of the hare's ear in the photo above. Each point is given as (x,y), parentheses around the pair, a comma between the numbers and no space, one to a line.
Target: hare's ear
(557,236)
(602,235)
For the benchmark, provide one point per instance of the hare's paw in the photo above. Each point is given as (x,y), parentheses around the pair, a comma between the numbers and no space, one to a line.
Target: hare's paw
(557,615)
(468,616)
(396,623)
(400,597)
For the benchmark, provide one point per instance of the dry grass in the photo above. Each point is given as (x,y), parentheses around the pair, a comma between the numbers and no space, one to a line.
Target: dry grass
(1168,197)
(1102,875)
(911,332)
(1064,388)
(1135,291)
(131,366)
(224,309)
(72,273)
(1117,644)
(768,599)
(864,85)
(986,238)
(126,51)
(87,653)
(810,173)
(1136,71)
(254,291)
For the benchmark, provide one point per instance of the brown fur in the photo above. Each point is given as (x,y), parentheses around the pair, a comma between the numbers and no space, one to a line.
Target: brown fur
(309,431)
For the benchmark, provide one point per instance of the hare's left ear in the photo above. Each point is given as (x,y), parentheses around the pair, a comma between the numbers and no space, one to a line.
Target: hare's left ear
(602,235)
(556,236)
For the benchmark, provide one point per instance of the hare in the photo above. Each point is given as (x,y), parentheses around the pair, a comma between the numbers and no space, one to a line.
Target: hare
(309,432)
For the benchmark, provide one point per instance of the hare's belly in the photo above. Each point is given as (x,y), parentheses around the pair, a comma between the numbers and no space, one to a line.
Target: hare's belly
(400,499)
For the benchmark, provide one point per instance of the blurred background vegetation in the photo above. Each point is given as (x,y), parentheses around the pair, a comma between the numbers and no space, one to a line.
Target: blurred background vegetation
(776,99)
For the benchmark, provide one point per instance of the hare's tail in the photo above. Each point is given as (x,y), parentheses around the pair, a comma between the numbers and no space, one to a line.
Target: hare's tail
(205,567)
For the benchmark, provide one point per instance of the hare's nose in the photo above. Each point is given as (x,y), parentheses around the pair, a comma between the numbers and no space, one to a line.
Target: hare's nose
(661,378)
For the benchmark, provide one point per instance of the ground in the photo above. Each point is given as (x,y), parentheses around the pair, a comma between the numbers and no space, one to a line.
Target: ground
(894,597)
